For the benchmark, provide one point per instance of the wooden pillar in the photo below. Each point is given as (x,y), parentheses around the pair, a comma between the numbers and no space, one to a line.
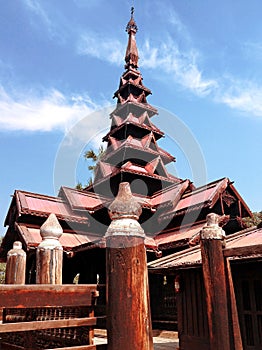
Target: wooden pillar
(212,241)
(128,312)
(15,265)
(237,339)
(49,254)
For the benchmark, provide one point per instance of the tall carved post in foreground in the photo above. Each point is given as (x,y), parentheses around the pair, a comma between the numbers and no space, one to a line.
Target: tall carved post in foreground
(212,240)
(49,254)
(128,312)
(15,265)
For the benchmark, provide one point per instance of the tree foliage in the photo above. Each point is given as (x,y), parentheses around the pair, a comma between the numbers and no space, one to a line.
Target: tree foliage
(255,220)
(94,157)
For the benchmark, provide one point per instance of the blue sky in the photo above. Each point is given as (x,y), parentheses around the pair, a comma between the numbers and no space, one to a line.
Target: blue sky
(61,60)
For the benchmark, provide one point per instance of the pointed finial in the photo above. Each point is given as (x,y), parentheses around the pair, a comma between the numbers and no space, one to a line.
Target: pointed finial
(132,12)
(124,205)
(51,228)
(131,57)
(131,25)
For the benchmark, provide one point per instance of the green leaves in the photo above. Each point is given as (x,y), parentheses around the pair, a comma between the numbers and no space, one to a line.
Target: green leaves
(94,157)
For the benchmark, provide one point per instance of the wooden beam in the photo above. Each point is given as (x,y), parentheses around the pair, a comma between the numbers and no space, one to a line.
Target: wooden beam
(50,324)
(243,251)
(17,296)
(239,208)
(39,325)
(84,347)
(8,346)
(222,204)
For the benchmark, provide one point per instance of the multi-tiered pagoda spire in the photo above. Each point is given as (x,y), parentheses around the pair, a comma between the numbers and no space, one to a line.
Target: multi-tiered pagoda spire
(132,153)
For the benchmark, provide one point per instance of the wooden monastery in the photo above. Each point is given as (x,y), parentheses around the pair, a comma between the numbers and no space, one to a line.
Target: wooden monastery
(173,210)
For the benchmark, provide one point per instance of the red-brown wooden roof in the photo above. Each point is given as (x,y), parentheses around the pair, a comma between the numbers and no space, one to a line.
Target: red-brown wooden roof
(192,256)
(205,196)
(69,240)
(35,204)
(179,234)
(82,200)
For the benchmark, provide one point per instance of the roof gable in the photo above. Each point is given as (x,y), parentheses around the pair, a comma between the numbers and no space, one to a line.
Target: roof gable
(29,203)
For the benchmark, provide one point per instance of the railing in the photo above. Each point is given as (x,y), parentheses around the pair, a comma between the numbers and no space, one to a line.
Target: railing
(48,317)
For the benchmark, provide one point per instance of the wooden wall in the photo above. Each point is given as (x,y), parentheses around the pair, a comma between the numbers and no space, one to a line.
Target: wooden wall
(191,308)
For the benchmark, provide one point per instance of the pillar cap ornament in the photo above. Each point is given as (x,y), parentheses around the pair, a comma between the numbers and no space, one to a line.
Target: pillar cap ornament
(50,232)
(17,249)
(124,205)
(124,212)
(212,230)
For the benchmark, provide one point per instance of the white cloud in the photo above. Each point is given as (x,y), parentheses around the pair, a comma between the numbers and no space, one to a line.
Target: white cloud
(96,45)
(181,66)
(165,56)
(244,96)
(35,7)
(54,111)
(45,17)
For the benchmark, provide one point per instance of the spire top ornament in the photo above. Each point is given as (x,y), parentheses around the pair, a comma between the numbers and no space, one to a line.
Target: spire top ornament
(132,12)
(131,25)
(131,57)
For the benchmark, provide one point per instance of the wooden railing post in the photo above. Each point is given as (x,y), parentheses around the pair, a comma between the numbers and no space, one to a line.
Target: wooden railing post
(15,265)
(49,254)
(128,313)
(212,241)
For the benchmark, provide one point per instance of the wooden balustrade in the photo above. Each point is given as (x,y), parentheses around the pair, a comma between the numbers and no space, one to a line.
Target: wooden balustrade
(51,312)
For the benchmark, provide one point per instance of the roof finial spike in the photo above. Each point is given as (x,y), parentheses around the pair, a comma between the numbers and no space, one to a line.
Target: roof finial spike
(132,11)
(131,57)
(131,25)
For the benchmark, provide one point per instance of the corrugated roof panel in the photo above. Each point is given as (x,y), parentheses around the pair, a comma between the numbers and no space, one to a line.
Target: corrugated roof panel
(31,236)
(248,239)
(192,256)
(82,200)
(40,205)
(178,235)
(45,205)
(195,198)
(69,240)
(172,194)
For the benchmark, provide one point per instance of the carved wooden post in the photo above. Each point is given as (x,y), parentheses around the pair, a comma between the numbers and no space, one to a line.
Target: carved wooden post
(49,254)
(15,265)
(128,312)
(212,240)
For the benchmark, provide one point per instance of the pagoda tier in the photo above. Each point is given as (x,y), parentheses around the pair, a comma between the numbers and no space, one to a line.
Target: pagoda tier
(132,152)
(140,151)
(145,181)
(131,125)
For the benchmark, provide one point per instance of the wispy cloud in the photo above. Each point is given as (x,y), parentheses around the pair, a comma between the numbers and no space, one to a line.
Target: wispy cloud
(101,47)
(45,17)
(181,63)
(54,111)
(35,7)
(244,96)
(166,56)
(89,3)
(252,50)
(181,66)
